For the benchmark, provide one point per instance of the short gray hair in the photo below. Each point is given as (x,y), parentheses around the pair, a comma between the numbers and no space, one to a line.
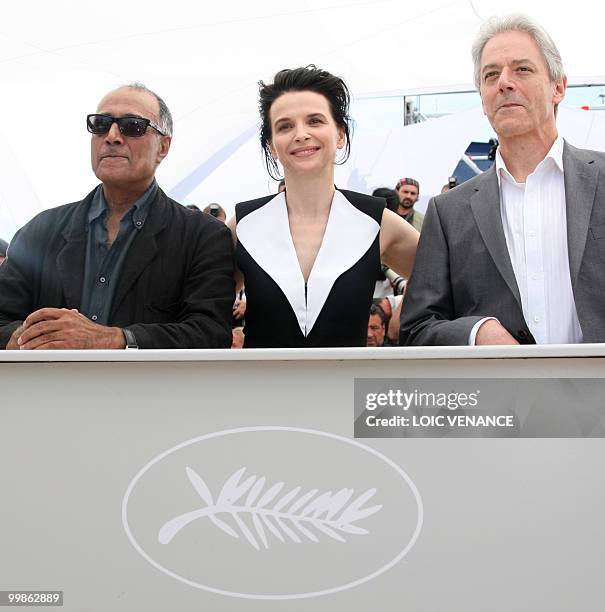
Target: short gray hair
(165,117)
(517,23)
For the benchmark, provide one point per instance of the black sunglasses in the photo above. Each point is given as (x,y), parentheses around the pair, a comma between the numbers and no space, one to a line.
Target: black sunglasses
(128,126)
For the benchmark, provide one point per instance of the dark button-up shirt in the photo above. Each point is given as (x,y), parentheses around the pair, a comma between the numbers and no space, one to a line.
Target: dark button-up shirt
(103,262)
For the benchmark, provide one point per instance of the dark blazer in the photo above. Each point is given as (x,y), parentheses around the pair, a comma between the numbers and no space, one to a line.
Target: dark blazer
(463,271)
(176,286)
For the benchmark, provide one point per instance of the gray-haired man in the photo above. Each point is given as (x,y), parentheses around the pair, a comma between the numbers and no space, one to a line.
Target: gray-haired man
(127,267)
(515,255)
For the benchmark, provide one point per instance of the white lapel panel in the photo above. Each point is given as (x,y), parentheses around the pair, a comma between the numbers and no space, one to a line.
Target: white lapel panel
(265,234)
(349,234)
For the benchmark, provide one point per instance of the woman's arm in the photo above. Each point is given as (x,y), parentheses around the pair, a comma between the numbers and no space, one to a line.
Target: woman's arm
(398,242)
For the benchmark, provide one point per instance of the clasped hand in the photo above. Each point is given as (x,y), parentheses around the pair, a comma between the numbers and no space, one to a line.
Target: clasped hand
(62,328)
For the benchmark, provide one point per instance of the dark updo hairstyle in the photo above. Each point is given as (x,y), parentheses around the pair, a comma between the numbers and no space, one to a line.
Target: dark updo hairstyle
(309,78)
(390,195)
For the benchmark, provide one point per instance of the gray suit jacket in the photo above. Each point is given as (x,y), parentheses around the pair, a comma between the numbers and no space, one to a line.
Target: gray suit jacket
(463,270)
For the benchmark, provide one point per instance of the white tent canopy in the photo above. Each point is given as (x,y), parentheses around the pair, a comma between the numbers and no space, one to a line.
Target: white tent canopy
(58,59)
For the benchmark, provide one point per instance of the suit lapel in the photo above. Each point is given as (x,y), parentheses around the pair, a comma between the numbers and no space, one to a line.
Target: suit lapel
(335,255)
(71,258)
(70,266)
(143,249)
(485,204)
(580,188)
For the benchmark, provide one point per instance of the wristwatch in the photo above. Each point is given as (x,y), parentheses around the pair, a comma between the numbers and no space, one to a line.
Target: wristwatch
(131,341)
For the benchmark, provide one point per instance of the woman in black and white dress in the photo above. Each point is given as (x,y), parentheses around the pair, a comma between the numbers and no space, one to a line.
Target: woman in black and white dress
(309,257)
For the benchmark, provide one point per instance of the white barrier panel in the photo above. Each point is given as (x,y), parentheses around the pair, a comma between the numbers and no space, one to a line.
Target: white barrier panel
(231,481)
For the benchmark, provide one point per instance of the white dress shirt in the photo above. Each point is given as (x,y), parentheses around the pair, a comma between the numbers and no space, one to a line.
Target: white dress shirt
(534,219)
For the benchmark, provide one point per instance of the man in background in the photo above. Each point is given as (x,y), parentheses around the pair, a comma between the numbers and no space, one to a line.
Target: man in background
(408,190)
(216,211)
(3,249)
(377,326)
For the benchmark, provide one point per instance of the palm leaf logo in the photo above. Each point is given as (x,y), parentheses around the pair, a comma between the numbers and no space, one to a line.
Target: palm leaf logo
(294,515)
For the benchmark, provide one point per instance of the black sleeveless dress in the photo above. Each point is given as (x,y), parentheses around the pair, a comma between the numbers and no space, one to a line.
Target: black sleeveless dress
(331,309)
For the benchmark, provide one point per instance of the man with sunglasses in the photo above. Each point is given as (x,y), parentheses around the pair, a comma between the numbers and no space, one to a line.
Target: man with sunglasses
(126,267)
